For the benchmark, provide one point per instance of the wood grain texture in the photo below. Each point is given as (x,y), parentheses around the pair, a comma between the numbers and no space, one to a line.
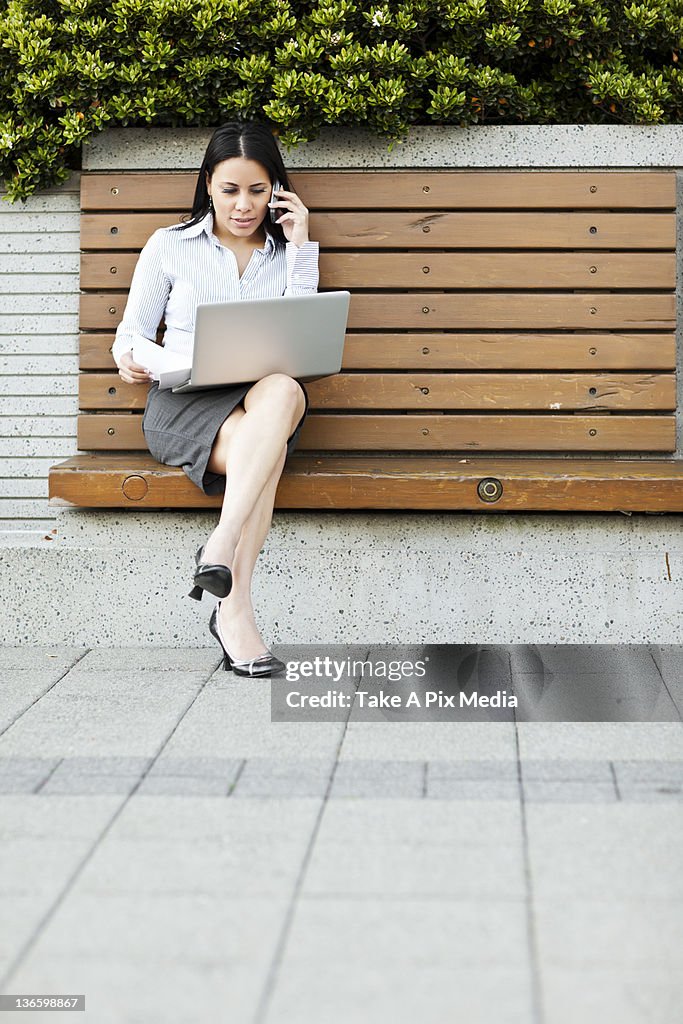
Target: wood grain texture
(466,351)
(400,483)
(423,230)
(422,432)
(488,391)
(395,189)
(475,270)
(474,311)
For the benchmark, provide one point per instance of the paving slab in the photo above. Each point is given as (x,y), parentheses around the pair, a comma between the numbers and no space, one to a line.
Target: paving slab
(413,932)
(140,991)
(94,724)
(234,721)
(55,658)
(607,871)
(39,867)
(130,683)
(381,822)
(569,791)
(432,995)
(627,741)
(566,770)
(494,871)
(21,688)
(627,934)
(379,780)
(238,865)
(20,917)
(641,772)
(176,819)
(594,996)
(34,817)
(267,777)
(421,741)
(213,929)
(629,825)
(150,659)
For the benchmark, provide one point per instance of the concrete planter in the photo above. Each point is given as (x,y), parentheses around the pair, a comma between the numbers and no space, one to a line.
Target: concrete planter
(120,579)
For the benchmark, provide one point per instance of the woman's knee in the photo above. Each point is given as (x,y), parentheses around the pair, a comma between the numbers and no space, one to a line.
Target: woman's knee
(278,390)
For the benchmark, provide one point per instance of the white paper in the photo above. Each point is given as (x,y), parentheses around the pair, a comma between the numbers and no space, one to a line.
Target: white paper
(169,368)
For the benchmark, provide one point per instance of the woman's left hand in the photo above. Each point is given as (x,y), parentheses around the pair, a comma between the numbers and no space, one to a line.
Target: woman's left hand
(294,220)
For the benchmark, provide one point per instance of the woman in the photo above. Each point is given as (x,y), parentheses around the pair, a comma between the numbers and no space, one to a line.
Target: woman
(231,439)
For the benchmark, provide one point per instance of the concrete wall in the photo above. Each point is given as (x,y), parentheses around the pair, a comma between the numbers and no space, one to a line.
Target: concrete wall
(94,578)
(39,267)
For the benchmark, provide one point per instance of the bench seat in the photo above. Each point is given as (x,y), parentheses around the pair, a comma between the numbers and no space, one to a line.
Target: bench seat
(136,480)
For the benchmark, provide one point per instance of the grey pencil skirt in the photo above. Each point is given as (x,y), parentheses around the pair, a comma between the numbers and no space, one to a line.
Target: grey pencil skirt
(180,430)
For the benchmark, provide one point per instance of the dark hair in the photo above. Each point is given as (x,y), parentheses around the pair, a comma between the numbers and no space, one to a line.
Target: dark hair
(252,141)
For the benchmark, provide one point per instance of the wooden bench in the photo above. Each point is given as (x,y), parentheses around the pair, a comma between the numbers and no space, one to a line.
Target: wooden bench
(510,348)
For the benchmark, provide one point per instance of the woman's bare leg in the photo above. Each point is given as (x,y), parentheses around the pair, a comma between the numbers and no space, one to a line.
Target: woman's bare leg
(244,452)
(248,448)
(237,619)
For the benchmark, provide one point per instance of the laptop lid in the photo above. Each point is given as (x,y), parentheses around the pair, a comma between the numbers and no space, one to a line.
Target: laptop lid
(245,340)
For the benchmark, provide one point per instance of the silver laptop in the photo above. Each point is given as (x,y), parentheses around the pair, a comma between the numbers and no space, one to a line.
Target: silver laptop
(242,341)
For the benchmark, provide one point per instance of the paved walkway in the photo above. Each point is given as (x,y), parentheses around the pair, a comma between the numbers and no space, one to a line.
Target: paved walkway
(170,853)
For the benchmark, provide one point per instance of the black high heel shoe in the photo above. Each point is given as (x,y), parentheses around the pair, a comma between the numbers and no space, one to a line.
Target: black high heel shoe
(265,665)
(216,579)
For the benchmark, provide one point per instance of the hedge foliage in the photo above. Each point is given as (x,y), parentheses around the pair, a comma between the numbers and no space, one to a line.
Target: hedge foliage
(70,68)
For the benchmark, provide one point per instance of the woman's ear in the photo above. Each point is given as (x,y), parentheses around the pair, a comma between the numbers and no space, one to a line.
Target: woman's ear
(208,181)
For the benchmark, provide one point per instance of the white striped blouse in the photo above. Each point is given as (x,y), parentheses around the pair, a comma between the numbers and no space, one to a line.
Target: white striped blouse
(180,268)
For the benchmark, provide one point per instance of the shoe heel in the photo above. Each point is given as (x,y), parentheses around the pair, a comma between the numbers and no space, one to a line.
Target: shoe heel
(197,593)
(227,664)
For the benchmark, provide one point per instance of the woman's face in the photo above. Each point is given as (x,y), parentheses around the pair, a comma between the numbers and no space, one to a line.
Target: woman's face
(240,190)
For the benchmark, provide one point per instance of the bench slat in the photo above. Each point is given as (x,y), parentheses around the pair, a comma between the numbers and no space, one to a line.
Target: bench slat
(490,391)
(357,190)
(482,310)
(475,270)
(425,432)
(420,230)
(400,483)
(482,351)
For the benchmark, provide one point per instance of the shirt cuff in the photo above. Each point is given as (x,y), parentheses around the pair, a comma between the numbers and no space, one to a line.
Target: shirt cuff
(302,265)
(122,343)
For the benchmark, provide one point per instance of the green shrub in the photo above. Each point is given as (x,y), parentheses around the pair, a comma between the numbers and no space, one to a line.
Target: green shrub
(70,68)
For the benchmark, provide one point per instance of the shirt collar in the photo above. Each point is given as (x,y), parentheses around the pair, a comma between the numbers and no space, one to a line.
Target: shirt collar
(205,225)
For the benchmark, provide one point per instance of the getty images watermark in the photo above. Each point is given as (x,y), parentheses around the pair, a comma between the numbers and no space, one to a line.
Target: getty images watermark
(326,687)
(477,682)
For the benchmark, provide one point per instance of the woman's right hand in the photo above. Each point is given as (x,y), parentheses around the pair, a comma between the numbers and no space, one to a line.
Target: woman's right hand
(131,372)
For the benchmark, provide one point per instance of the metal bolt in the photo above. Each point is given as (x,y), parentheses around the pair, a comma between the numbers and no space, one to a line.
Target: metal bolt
(426,188)
(112,309)
(425,309)
(425,270)
(113,231)
(594,270)
(592,432)
(592,351)
(593,310)
(114,191)
(489,489)
(112,391)
(113,270)
(593,230)
(426,229)
(110,430)
(425,431)
(592,391)
(425,351)
(594,188)
(425,391)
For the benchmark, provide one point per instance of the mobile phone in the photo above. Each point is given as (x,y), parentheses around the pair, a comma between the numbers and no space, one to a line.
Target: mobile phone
(274,214)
